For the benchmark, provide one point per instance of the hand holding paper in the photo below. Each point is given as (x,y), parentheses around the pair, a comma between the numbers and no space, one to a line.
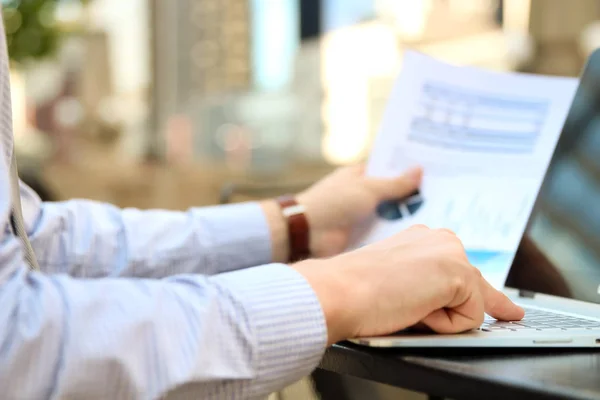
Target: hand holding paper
(484,139)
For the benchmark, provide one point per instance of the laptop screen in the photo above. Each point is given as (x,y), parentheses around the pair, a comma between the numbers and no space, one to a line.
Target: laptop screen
(560,254)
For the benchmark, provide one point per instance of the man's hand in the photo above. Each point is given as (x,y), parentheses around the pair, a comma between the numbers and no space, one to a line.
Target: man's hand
(418,276)
(343,199)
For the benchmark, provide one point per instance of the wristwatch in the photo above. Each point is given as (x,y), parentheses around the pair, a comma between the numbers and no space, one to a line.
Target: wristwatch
(298,228)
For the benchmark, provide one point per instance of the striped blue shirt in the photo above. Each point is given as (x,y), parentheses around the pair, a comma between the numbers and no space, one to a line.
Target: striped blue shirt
(145,304)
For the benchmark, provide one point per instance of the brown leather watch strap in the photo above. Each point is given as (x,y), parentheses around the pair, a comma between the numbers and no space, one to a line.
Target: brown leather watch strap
(298,228)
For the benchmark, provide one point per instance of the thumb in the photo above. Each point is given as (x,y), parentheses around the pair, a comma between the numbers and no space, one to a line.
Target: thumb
(401,186)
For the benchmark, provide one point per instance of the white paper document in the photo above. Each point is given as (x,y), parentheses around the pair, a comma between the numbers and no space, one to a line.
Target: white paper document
(484,139)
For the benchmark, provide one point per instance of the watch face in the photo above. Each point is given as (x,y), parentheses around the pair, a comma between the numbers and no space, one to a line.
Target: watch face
(396,209)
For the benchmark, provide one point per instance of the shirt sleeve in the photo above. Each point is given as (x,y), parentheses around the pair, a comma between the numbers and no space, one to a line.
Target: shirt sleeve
(90,239)
(239,335)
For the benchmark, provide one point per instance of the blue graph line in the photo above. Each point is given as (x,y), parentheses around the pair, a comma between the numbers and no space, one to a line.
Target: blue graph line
(423,125)
(468,112)
(453,93)
(469,147)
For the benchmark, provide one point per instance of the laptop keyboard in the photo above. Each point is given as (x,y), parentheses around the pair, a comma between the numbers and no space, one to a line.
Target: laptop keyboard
(540,320)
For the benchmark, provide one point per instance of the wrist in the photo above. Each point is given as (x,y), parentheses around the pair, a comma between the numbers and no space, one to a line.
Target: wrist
(298,229)
(278,231)
(313,223)
(335,292)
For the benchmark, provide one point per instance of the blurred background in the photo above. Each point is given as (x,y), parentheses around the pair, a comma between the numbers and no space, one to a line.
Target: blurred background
(165,103)
(180,103)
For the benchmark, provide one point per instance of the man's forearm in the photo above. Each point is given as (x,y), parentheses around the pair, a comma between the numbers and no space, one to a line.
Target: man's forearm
(89,239)
(339,294)
(245,333)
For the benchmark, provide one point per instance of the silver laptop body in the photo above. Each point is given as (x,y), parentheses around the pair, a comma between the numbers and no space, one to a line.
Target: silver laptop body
(565,227)
(561,323)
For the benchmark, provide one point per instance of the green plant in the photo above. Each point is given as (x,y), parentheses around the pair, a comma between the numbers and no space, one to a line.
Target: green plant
(30,29)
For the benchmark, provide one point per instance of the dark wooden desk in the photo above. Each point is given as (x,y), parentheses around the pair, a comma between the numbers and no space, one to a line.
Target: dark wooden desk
(472,373)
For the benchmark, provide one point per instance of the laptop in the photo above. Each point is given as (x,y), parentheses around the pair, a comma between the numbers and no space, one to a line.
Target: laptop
(555,274)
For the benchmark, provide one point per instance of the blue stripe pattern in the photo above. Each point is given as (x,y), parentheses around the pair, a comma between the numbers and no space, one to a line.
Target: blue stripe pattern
(147,304)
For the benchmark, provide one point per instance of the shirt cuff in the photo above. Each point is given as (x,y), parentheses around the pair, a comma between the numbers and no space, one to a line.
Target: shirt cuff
(288,323)
(238,234)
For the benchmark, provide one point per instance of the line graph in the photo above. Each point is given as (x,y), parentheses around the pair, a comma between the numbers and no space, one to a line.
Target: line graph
(480,216)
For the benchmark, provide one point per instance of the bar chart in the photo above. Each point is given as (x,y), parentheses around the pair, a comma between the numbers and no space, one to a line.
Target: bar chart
(468,120)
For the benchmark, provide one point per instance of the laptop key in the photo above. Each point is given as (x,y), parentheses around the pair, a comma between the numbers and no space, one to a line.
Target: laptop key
(505,326)
(547,330)
(516,327)
(534,325)
(493,329)
(503,323)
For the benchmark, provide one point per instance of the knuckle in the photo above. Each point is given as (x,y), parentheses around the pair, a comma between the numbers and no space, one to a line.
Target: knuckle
(446,231)
(456,245)
(419,227)
(450,239)
(458,284)
(447,236)
(475,272)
